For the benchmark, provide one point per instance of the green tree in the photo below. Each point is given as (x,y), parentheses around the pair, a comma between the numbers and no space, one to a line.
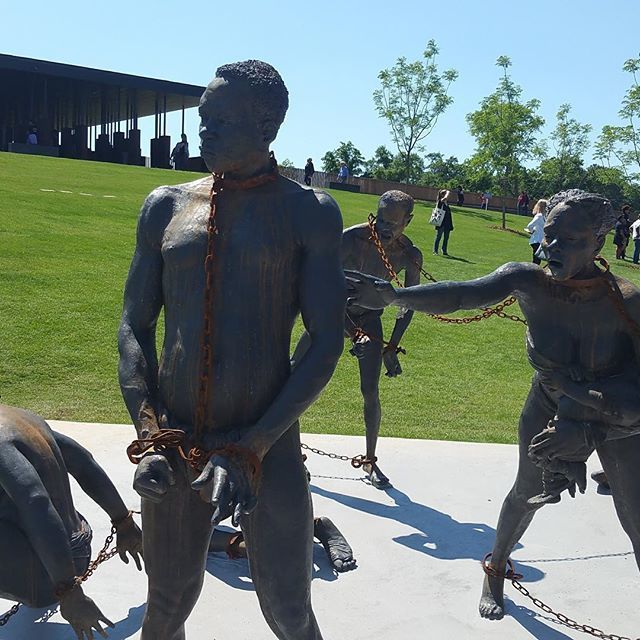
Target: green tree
(442,172)
(505,128)
(413,95)
(620,145)
(347,152)
(375,166)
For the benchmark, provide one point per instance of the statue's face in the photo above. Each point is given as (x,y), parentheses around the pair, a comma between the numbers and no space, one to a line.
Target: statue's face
(569,242)
(391,222)
(229,130)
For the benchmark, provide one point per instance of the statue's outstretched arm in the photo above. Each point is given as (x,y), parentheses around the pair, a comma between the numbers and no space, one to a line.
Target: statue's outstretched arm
(443,297)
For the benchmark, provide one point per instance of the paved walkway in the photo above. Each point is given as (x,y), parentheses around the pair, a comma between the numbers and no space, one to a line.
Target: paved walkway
(418,548)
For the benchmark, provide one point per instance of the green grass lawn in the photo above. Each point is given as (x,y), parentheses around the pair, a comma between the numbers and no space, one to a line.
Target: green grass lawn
(64,259)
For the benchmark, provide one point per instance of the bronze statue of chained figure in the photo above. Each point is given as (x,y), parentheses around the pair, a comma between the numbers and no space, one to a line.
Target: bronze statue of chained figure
(217,415)
(583,341)
(379,247)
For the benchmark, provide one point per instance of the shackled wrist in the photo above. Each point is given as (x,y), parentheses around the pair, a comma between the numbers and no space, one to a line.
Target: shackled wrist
(118,522)
(64,588)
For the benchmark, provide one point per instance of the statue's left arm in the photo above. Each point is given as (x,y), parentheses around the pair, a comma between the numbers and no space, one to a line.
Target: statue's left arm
(322,294)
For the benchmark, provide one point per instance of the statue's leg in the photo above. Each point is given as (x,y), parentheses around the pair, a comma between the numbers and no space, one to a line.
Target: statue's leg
(176,534)
(370,365)
(516,513)
(621,462)
(23,578)
(279,541)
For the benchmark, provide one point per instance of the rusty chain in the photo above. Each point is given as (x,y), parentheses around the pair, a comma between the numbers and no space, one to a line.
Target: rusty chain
(356,461)
(565,620)
(103,555)
(487,312)
(511,575)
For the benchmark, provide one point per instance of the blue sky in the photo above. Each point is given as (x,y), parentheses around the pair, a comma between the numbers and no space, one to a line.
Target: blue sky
(329,55)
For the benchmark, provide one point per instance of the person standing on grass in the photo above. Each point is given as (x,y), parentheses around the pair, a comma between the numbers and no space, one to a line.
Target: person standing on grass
(620,237)
(446,226)
(520,204)
(180,154)
(626,210)
(635,235)
(460,194)
(309,170)
(536,228)
(343,172)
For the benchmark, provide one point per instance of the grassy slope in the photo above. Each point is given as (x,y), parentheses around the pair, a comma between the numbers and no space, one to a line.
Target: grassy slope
(64,259)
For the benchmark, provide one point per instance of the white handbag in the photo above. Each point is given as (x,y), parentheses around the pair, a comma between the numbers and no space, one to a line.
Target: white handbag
(437,216)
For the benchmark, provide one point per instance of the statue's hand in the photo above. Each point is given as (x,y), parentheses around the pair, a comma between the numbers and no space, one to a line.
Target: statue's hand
(231,488)
(129,540)
(564,439)
(153,477)
(82,614)
(391,361)
(367,291)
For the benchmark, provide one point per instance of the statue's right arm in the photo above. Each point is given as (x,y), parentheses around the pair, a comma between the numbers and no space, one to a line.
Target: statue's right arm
(138,366)
(38,518)
(446,297)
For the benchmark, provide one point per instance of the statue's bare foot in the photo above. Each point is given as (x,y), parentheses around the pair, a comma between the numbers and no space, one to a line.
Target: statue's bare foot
(334,543)
(492,599)
(376,477)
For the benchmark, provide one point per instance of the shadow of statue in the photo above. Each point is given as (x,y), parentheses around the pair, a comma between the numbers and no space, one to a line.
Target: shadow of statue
(30,623)
(236,573)
(438,534)
(540,627)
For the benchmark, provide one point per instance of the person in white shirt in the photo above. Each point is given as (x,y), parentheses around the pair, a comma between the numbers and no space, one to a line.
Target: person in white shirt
(635,236)
(535,228)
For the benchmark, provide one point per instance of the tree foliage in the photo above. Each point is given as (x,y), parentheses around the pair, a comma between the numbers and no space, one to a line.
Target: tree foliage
(505,128)
(347,152)
(413,95)
(620,145)
(386,166)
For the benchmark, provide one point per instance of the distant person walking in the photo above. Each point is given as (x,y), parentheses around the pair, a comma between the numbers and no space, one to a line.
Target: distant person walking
(520,204)
(526,203)
(446,226)
(486,196)
(460,194)
(343,172)
(309,170)
(180,154)
(620,237)
(626,210)
(32,136)
(536,228)
(635,236)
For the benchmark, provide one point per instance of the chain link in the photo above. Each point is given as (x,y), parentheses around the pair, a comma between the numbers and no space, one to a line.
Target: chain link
(565,620)
(487,312)
(356,461)
(511,575)
(12,612)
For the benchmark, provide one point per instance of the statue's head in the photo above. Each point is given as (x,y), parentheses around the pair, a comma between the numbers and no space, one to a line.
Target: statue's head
(575,230)
(394,214)
(241,111)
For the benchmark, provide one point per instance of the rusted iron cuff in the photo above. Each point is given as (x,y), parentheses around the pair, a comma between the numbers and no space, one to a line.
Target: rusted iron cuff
(361,460)
(63,588)
(158,442)
(492,572)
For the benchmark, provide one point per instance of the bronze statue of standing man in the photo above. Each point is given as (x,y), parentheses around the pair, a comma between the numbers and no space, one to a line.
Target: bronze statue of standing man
(232,259)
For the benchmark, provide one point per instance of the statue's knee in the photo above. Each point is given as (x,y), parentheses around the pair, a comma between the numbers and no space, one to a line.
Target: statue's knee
(371,394)
(292,619)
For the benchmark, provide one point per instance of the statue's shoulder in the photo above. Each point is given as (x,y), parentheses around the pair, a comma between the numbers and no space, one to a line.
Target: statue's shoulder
(410,250)
(523,276)
(357,232)
(631,294)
